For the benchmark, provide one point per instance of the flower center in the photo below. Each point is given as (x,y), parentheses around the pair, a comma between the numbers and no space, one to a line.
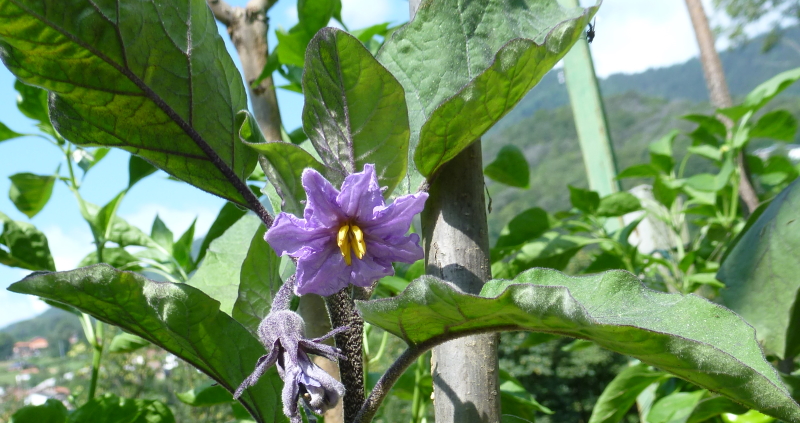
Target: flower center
(351,238)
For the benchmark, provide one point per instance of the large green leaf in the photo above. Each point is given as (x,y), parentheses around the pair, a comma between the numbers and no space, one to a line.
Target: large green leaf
(25,246)
(218,275)
(284,165)
(30,193)
(112,409)
(355,112)
(177,317)
(152,78)
(618,397)
(761,274)
(687,336)
(464,65)
(52,411)
(259,279)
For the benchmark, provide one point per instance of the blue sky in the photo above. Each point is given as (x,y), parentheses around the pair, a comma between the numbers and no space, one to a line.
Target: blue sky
(663,36)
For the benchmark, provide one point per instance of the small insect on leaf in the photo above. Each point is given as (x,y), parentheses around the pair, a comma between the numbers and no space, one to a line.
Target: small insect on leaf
(590,31)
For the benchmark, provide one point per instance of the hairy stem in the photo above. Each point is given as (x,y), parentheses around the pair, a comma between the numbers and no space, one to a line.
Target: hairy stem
(343,313)
(97,354)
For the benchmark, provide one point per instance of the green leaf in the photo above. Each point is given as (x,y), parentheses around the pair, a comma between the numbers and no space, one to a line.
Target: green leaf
(366,34)
(182,248)
(510,168)
(125,234)
(620,395)
(176,317)
(763,93)
(227,217)
(103,219)
(528,225)
(110,408)
(259,279)
(584,200)
(661,152)
(30,193)
(515,400)
(674,408)
(664,191)
(125,343)
(205,395)
(355,112)
(286,163)
(710,123)
(712,407)
(292,45)
(697,279)
(760,274)
(114,256)
(778,124)
(32,102)
(7,133)
(315,14)
(618,204)
(687,336)
(151,78)
(161,234)
(25,246)
(707,151)
(552,250)
(52,411)
(219,274)
(87,160)
(138,169)
(487,56)
(645,170)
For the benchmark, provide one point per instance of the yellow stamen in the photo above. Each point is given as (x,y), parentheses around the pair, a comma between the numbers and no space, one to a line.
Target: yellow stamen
(357,239)
(351,238)
(344,243)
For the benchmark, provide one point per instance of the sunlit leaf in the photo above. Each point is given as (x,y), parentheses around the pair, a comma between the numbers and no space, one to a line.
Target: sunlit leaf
(52,411)
(152,78)
(618,204)
(110,408)
(218,276)
(30,193)
(259,279)
(126,342)
(687,336)
(355,112)
(205,395)
(761,274)
(24,246)
(177,317)
(465,65)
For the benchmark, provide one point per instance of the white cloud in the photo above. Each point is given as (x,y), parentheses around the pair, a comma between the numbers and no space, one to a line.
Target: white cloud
(177,221)
(362,13)
(69,245)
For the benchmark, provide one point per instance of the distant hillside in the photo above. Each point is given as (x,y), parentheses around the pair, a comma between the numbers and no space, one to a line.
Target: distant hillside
(55,325)
(745,68)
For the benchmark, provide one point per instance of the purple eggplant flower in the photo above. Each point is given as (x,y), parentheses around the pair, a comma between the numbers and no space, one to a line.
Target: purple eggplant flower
(349,236)
(282,332)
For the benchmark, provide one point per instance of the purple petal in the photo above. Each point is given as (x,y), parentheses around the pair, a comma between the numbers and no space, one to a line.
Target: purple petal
(321,207)
(288,235)
(291,391)
(394,220)
(361,194)
(322,272)
(369,269)
(405,249)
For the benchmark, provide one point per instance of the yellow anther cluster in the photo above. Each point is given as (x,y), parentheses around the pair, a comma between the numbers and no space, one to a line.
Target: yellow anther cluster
(351,238)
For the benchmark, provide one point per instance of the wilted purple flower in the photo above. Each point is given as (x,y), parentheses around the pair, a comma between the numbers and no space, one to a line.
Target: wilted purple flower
(347,237)
(283,333)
